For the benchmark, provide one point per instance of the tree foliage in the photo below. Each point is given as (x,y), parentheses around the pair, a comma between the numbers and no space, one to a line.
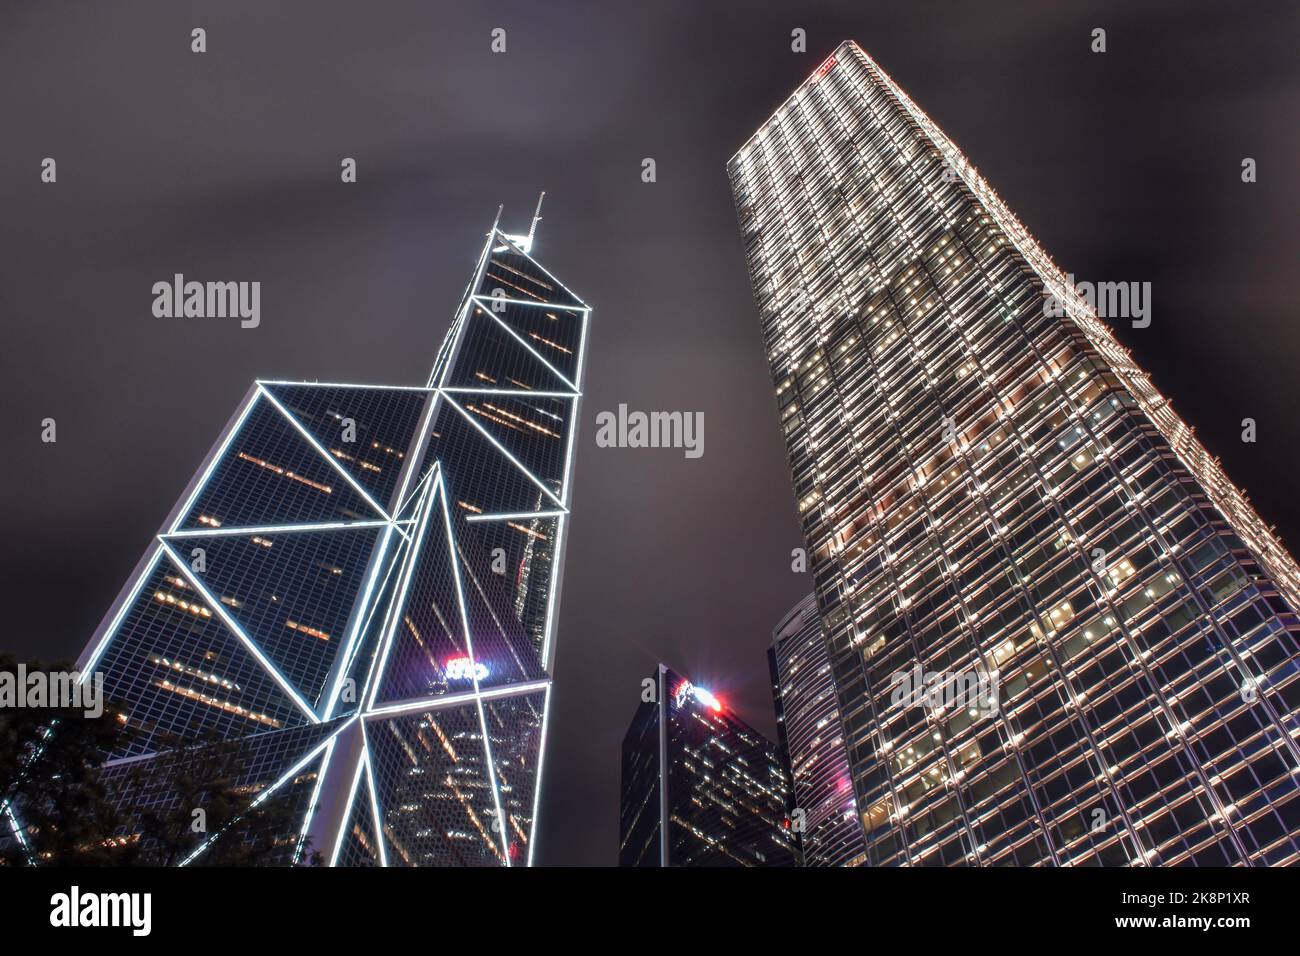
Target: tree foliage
(63,804)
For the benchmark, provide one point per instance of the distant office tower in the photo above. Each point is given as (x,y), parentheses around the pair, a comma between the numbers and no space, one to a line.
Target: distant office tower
(700,786)
(360,586)
(987,482)
(824,813)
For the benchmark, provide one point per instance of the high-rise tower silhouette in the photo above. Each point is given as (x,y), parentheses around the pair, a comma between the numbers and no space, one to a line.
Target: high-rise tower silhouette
(989,484)
(359,587)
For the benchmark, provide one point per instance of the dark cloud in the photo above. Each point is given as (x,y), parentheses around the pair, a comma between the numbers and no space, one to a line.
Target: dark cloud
(225,165)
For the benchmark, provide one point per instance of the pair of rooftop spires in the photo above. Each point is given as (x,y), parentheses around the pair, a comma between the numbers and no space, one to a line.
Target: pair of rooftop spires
(525,243)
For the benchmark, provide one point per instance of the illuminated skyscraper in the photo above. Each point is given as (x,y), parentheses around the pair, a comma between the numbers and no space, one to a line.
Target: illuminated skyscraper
(988,482)
(360,586)
(700,786)
(803,690)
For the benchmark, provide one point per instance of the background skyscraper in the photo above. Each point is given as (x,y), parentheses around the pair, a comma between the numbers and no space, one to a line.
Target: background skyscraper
(700,786)
(984,483)
(360,587)
(808,719)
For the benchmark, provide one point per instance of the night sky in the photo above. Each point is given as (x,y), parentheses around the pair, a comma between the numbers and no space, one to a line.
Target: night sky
(225,166)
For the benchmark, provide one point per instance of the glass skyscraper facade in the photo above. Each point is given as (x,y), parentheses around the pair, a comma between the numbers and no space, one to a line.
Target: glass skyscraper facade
(360,587)
(824,814)
(987,482)
(700,786)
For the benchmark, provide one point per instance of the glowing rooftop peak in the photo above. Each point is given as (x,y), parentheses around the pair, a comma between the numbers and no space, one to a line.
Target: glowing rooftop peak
(525,243)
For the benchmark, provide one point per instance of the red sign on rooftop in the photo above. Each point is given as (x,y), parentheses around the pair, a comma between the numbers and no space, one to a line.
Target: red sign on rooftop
(824,68)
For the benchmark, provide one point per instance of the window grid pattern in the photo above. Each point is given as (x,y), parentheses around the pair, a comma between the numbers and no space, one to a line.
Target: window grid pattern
(724,795)
(808,716)
(183,675)
(360,845)
(343,570)
(256,764)
(380,423)
(271,472)
(434,793)
(293,594)
(984,485)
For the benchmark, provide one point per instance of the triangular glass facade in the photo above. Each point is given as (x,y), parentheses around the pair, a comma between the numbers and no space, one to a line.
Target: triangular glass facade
(374,567)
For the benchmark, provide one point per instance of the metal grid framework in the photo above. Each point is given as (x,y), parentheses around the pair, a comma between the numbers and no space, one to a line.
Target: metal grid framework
(381,564)
(984,482)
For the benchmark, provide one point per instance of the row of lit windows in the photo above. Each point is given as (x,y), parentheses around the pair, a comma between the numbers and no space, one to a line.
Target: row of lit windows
(1079,461)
